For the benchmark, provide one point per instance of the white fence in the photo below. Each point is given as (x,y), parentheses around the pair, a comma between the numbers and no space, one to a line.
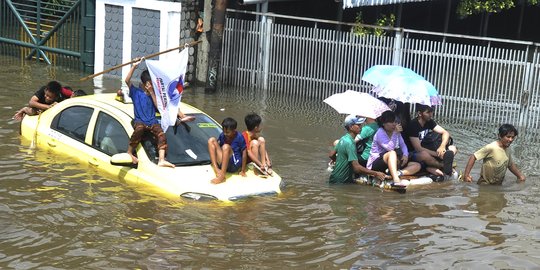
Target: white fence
(484,82)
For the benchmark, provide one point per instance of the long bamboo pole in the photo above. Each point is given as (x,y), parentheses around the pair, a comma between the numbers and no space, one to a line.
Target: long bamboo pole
(146,57)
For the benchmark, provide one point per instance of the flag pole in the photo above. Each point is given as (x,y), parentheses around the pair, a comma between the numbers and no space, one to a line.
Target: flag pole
(146,57)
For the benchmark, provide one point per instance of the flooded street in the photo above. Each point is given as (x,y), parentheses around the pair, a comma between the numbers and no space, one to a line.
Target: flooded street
(56,213)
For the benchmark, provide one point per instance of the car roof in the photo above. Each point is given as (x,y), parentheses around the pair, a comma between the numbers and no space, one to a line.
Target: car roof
(127,107)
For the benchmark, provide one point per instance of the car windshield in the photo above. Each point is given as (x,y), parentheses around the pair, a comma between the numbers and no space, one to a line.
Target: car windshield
(187,142)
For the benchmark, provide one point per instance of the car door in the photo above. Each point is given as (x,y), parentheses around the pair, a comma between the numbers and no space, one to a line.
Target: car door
(108,136)
(72,132)
(68,130)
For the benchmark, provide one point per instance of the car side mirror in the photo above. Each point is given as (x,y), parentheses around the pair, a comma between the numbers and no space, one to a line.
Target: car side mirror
(122,159)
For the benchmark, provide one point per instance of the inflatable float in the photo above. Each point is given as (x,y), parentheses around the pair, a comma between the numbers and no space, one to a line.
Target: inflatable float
(411,181)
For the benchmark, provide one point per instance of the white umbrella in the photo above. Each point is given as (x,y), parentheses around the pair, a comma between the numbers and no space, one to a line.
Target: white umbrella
(356,103)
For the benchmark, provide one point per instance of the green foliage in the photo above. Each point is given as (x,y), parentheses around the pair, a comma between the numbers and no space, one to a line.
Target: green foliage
(358,29)
(385,20)
(470,7)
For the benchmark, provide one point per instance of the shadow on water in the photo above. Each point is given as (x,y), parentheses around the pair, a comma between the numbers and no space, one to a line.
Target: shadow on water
(56,213)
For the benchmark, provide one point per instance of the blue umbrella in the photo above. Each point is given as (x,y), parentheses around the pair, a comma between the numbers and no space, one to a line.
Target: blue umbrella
(401,84)
(379,74)
(409,90)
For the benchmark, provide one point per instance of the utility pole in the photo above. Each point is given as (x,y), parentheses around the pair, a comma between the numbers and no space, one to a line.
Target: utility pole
(216,38)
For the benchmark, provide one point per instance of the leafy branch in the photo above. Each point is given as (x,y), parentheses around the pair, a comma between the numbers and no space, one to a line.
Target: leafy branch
(385,21)
(470,7)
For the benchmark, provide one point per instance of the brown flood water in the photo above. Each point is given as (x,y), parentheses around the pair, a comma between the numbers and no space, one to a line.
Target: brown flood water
(59,214)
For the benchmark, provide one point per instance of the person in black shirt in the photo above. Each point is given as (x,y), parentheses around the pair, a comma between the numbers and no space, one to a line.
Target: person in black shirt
(46,97)
(430,143)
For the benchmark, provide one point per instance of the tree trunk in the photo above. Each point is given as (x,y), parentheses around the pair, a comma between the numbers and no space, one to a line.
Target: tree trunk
(216,38)
(520,23)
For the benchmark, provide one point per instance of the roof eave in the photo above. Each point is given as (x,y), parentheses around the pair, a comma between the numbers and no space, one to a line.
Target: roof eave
(360,3)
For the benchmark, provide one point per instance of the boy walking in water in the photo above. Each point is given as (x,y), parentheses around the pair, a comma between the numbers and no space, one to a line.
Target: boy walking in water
(496,159)
(256,144)
(228,151)
(144,105)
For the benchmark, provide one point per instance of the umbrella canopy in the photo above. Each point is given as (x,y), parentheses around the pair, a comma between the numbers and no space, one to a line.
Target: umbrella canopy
(409,90)
(359,3)
(356,103)
(401,84)
(379,74)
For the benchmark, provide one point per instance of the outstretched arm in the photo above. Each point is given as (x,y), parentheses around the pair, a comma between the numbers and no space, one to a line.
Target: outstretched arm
(333,152)
(34,103)
(417,145)
(183,117)
(357,168)
(515,170)
(467,173)
(130,73)
(332,155)
(445,136)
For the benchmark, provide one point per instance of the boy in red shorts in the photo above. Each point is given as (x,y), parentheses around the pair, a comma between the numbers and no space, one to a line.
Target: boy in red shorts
(256,144)
(144,105)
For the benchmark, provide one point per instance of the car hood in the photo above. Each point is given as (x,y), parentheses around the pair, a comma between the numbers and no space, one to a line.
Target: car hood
(194,181)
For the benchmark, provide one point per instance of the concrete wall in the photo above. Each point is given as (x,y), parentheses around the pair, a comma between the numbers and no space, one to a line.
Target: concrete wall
(198,55)
(204,47)
(188,34)
(126,29)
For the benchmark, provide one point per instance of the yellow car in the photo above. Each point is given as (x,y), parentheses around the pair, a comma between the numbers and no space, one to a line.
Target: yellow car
(95,129)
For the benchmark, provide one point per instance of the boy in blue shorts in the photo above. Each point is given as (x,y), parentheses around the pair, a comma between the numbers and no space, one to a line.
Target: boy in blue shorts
(227,152)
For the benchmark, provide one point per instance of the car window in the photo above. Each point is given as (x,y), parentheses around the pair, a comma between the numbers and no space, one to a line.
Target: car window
(73,121)
(187,142)
(109,135)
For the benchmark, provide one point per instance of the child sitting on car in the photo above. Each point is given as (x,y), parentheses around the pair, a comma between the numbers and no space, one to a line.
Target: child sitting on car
(256,144)
(227,152)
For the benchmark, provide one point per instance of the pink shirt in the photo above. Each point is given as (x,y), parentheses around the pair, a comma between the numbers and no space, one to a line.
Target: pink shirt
(382,144)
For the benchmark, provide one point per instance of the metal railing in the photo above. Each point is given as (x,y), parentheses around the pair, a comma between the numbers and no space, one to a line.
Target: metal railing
(47,31)
(484,82)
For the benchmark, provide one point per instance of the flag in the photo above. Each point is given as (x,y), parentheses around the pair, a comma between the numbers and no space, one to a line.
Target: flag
(168,78)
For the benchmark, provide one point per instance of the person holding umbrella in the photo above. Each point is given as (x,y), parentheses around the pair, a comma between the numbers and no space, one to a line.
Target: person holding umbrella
(346,164)
(430,143)
(404,85)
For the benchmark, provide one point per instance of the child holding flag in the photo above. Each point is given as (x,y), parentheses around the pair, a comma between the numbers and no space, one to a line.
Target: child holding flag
(144,105)
(167,77)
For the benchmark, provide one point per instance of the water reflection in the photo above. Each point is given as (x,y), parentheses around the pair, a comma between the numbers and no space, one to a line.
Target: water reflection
(489,205)
(60,214)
